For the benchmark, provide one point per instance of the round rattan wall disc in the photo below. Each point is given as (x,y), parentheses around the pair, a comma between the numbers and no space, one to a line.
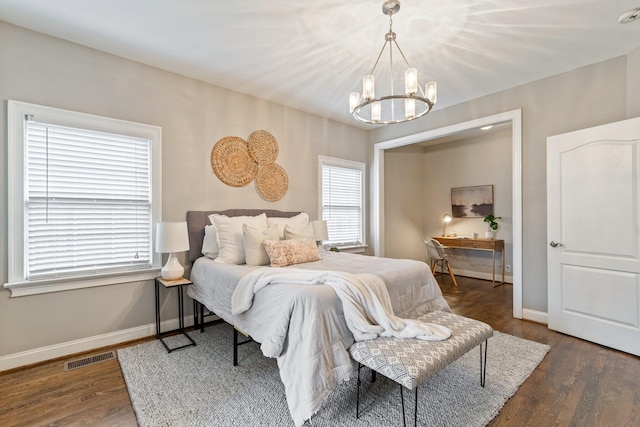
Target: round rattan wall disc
(272,182)
(232,163)
(263,147)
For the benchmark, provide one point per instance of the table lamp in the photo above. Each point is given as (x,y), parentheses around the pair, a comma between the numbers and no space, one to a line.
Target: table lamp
(445,219)
(172,237)
(320,232)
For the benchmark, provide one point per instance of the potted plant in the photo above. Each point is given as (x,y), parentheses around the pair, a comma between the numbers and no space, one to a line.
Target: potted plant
(493,225)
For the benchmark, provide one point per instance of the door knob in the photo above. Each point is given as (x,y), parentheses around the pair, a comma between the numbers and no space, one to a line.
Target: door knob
(555,244)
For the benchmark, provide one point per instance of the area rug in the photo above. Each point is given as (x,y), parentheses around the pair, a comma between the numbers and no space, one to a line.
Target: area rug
(199,386)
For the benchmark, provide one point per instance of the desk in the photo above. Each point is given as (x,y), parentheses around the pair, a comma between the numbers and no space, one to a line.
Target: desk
(478,244)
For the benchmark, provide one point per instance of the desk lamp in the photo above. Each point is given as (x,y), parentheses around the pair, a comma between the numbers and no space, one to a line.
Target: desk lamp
(172,237)
(445,219)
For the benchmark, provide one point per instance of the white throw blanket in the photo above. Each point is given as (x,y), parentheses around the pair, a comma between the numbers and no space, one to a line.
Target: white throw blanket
(365,299)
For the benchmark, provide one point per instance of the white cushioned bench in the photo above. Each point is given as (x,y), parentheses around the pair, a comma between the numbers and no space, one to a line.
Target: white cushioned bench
(410,362)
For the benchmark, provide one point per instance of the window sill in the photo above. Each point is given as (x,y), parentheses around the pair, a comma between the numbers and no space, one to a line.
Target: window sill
(356,249)
(20,289)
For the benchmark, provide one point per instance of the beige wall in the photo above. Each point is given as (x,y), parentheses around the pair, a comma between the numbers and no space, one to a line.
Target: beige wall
(404,203)
(581,98)
(431,172)
(633,84)
(193,115)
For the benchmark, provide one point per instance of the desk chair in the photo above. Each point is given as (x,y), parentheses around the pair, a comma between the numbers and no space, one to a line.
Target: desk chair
(439,257)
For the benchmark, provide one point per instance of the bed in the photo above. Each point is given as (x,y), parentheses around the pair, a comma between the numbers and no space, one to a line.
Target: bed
(303,326)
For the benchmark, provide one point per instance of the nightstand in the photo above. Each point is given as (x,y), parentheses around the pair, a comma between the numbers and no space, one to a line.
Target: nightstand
(179,284)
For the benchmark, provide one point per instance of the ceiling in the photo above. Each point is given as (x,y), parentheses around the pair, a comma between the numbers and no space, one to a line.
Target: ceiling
(310,54)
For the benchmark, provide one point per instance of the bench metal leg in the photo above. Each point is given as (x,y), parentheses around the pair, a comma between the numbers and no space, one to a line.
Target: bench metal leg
(415,408)
(358,393)
(483,363)
(404,421)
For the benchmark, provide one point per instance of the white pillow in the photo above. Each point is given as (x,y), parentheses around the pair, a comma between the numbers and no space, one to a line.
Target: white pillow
(254,252)
(297,221)
(210,242)
(298,232)
(230,240)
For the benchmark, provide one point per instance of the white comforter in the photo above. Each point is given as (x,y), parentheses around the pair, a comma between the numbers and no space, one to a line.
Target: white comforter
(304,326)
(365,302)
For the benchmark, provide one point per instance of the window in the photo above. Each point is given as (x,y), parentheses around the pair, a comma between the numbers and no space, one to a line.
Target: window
(83,197)
(342,201)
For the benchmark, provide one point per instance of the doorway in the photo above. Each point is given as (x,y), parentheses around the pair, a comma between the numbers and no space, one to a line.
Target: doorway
(513,117)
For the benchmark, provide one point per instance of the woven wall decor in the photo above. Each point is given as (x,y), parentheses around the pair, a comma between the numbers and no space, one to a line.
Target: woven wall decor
(263,147)
(232,163)
(272,182)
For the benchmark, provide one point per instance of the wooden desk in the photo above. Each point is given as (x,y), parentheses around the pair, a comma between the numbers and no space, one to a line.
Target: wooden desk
(478,244)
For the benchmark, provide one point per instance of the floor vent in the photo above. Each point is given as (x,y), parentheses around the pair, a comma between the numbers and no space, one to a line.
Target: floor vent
(91,360)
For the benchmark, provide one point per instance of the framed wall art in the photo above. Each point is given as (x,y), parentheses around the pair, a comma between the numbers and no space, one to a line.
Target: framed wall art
(472,202)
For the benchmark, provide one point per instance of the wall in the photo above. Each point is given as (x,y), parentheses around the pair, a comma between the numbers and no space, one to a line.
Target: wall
(585,97)
(193,115)
(468,161)
(633,83)
(404,203)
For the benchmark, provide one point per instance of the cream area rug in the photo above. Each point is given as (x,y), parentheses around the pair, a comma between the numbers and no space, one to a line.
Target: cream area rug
(199,386)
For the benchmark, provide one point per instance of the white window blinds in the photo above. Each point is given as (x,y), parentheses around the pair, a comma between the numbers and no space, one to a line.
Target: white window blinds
(87,201)
(342,202)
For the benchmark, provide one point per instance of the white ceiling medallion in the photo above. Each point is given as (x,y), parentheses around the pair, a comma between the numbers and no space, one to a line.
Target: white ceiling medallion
(629,16)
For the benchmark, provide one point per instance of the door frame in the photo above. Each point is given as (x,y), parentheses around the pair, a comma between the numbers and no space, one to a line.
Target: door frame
(515,118)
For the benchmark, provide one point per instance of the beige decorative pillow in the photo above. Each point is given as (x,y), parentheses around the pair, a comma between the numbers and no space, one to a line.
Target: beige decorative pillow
(296,221)
(254,251)
(291,232)
(230,238)
(290,252)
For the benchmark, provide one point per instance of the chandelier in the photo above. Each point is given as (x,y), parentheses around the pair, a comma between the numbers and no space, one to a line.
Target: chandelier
(392,108)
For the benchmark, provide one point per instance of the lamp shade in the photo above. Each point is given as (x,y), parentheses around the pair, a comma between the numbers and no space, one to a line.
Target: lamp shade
(320,231)
(172,237)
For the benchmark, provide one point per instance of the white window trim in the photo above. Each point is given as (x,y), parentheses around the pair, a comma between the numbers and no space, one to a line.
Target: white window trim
(15,195)
(334,161)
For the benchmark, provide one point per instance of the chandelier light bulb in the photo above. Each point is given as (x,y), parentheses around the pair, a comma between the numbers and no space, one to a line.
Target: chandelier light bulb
(368,87)
(354,100)
(409,108)
(411,81)
(431,92)
(376,111)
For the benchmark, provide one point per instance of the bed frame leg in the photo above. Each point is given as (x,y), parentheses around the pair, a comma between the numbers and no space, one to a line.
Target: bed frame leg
(201,318)
(235,347)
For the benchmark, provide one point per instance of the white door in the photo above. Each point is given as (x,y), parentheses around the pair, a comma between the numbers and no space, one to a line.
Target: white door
(593,251)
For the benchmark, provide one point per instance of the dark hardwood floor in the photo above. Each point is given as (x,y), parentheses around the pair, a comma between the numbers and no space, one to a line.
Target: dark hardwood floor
(577,384)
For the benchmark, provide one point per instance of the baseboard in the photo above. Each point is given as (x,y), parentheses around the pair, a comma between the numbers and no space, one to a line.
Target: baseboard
(483,276)
(42,354)
(535,316)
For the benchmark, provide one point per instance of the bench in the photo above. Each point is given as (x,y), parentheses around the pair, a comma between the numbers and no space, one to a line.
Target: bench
(410,362)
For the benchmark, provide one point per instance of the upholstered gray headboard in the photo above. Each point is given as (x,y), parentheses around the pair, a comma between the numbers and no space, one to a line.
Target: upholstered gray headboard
(197,220)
